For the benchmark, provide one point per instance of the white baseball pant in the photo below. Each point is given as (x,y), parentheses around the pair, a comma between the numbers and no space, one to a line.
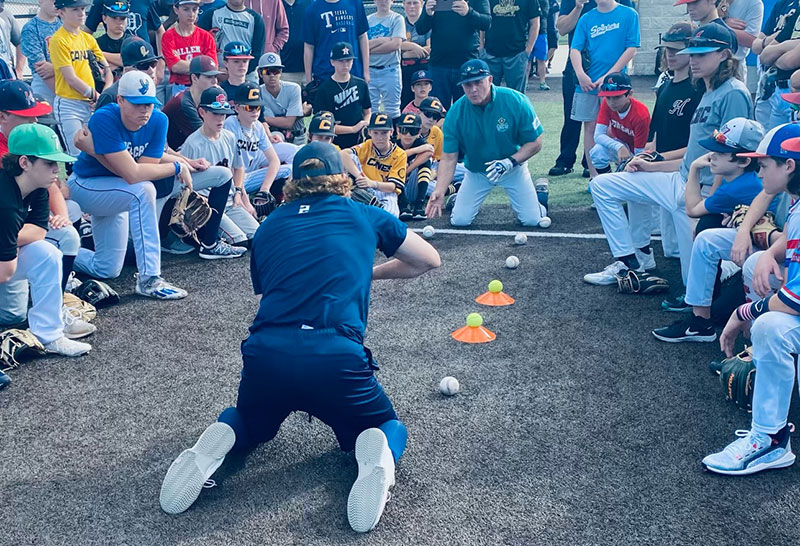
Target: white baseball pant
(748,269)
(254,179)
(385,87)
(71,114)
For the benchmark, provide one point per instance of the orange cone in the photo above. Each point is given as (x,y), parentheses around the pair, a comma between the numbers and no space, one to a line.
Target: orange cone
(495,296)
(473,332)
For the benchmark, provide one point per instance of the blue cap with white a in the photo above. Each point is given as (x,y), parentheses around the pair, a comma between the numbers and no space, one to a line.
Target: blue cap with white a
(137,88)
(325,152)
(770,145)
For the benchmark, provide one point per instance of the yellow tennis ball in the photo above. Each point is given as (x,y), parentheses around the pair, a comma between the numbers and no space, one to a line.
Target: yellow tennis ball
(495,286)
(474,320)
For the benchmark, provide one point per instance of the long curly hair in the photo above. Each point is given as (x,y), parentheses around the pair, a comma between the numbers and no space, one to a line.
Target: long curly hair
(726,70)
(336,184)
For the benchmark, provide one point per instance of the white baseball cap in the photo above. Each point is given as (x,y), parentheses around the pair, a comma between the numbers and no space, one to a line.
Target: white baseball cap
(138,88)
(736,135)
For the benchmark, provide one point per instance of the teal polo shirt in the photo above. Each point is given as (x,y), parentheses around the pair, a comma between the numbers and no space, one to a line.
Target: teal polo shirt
(491,132)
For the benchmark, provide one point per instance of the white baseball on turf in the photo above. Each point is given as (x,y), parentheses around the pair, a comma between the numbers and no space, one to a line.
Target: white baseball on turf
(520,238)
(512,262)
(545,222)
(449,386)
(428,232)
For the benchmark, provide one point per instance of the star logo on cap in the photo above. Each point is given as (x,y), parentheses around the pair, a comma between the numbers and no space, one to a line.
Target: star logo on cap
(345,51)
(145,85)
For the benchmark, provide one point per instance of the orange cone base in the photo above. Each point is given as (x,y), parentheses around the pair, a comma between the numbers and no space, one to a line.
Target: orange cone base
(473,334)
(495,299)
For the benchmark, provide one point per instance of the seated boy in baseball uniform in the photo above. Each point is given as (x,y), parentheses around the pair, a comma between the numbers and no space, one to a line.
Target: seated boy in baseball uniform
(418,169)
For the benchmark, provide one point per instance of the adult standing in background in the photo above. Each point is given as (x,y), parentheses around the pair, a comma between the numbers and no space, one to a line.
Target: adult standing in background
(276,25)
(387,30)
(328,22)
(454,41)
(509,41)
(415,50)
(292,52)
(744,17)
(35,37)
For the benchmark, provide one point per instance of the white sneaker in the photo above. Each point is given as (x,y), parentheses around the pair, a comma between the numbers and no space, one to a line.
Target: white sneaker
(647,262)
(67,347)
(370,492)
(188,473)
(75,327)
(72,283)
(729,269)
(158,288)
(221,250)
(607,276)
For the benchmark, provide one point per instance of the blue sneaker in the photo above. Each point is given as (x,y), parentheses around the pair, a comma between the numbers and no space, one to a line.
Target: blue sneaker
(676,305)
(753,452)
(4,381)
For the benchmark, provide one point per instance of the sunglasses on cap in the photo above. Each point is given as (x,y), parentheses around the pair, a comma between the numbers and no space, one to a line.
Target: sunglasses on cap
(117,7)
(413,131)
(250,107)
(216,105)
(720,137)
(614,86)
(145,65)
(271,71)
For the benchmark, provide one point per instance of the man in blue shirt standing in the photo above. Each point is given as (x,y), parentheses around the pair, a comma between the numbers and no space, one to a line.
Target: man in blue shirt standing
(497,131)
(312,264)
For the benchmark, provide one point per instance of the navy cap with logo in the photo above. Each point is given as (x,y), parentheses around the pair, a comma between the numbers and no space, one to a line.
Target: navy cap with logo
(410,120)
(236,50)
(341,51)
(432,105)
(322,124)
(677,37)
(474,70)
(380,121)
(420,76)
(135,51)
(18,99)
(325,152)
(116,8)
(615,84)
(61,4)
(203,65)
(711,37)
(248,93)
(215,100)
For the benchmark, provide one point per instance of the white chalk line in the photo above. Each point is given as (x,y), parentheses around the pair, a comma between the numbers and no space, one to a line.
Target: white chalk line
(544,234)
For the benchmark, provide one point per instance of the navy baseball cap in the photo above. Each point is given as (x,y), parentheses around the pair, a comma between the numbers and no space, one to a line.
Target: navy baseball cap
(411,121)
(248,93)
(711,37)
(615,84)
(322,124)
(432,105)
(380,121)
(325,152)
(736,135)
(204,65)
(474,70)
(236,50)
(215,100)
(18,99)
(135,51)
(421,76)
(677,37)
(772,143)
(341,51)
(116,8)
(61,4)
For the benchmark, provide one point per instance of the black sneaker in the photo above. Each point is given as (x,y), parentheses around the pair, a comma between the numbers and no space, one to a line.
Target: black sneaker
(419,213)
(406,215)
(559,170)
(676,305)
(694,328)
(586,173)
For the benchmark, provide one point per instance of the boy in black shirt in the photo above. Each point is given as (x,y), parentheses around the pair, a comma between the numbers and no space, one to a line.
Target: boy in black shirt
(418,168)
(115,21)
(346,96)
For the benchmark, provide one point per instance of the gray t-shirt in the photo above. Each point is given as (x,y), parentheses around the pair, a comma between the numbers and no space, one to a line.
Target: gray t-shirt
(10,36)
(752,13)
(251,143)
(729,100)
(287,103)
(222,151)
(391,26)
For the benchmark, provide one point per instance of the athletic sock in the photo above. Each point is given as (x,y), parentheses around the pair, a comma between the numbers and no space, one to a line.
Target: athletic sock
(645,249)
(630,261)
(396,437)
(66,269)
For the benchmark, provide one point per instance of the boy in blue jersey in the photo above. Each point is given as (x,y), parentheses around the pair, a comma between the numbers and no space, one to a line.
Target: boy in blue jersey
(327,22)
(305,351)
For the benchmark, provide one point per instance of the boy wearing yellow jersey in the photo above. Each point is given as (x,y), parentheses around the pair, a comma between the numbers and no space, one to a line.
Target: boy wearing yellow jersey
(70,50)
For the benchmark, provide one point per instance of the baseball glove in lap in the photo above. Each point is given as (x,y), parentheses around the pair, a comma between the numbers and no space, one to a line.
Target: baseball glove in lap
(761,231)
(737,376)
(634,282)
(96,293)
(362,195)
(13,343)
(264,203)
(79,308)
(190,213)
(647,156)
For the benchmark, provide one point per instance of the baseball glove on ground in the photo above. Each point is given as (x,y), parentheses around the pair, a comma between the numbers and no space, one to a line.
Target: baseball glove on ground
(264,203)
(79,308)
(365,196)
(761,232)
(633,282)
(13,343)
(647,156)
(737,376)
(96,293)
(190,213)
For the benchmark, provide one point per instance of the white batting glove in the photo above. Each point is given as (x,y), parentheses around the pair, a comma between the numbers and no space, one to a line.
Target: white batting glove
(496,169)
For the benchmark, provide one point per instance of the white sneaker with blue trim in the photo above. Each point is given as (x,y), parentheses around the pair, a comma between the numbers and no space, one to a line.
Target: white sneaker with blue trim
(753,452)
(370,491)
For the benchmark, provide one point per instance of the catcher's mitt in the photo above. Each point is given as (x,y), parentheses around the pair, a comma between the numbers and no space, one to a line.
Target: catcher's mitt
(15,342)
(365,196)
(190,213)
(79,308)
(761,231)
(96,293)
(737,376)
(264,203)
(634,282)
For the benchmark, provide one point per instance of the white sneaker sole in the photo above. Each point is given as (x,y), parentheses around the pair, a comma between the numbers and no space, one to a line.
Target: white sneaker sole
(598,281)
(187,474)
(785,461)
(220,256)
(370,492)
(79,335)
(695,339)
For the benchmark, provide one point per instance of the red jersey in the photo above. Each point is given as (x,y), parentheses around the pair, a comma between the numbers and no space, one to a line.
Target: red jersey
(3,144)
(182,48)
(632,129)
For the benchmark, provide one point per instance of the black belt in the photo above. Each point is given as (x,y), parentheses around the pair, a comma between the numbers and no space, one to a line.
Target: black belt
(379,67)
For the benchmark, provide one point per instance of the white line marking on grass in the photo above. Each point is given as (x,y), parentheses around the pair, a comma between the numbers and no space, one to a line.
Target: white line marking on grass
(545,234)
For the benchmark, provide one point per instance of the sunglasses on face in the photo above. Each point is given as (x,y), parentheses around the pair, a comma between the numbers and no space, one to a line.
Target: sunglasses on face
(251,107)
(270,71)
(145,65)
(434,117)
(413,131)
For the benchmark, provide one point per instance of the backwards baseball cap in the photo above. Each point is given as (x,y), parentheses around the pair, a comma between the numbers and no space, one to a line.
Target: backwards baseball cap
(116,8)
(322,124)
(341,51)
(711,37)
(420,76)
(36,140)
(135,51)
(411,121)
(323,151)
(736,135)
(137,88)
(677,37)
(474,70)
(270,60)
(432,105)
(771,144)
(248,93)
(215,100)
(380,121)
(203,65)
(18,99)
(236,50)
(61,4)
(615,84)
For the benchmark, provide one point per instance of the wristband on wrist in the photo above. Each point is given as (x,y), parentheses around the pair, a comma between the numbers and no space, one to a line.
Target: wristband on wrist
(751,311)
(177,168)
(89,93)
(514,161)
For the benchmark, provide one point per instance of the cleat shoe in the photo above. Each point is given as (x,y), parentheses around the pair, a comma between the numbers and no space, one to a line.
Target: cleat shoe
(559,170)
(406,215)
(5,381)
(647,262)
(450,201)
(419,212)
(222,250)
(752,452)
(607,276)
(693,328)
(543,86)
(189,472)
(676,305)
(156,287)
(370,492)
(67,347)
(74,326)
(173,245)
